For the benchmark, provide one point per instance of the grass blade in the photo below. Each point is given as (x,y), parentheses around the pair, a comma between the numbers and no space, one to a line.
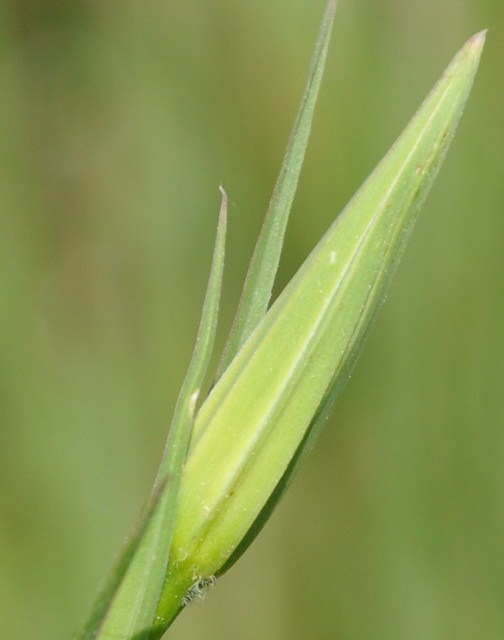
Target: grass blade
(106,595)
(178,440)
(127,608)
(264,264)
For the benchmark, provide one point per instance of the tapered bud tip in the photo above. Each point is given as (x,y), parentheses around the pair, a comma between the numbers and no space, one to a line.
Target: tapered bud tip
(477,41)
(331,5)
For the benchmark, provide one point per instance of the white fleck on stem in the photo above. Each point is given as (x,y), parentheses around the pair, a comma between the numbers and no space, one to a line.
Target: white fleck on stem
(193,400)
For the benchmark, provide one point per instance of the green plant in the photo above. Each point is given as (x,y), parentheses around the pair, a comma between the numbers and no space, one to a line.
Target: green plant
(226,464)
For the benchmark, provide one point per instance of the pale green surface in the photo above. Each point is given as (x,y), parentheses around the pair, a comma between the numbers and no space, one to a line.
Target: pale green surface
(250,427)
(119,124)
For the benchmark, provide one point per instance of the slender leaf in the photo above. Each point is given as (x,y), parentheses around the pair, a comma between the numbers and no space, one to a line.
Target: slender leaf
(128,606)
(264,264)
(119,569)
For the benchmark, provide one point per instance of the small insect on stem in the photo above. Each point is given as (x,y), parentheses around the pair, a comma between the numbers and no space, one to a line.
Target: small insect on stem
(198,590)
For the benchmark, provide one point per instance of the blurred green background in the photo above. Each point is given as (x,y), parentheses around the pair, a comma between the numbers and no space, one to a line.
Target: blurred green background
(118,122)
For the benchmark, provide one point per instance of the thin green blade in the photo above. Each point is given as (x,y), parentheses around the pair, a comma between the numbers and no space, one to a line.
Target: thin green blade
(264,264)
(127,607)
(126,555)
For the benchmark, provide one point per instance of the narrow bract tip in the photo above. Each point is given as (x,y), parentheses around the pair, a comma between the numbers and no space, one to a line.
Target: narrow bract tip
(477,41)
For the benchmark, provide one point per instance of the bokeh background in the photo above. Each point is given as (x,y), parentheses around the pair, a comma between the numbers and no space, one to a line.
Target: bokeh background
(118,122)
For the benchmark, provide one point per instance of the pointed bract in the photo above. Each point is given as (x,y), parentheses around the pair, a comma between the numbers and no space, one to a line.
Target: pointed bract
(254,422)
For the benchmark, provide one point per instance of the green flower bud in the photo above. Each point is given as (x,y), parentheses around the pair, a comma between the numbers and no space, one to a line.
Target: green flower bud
(254,420)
